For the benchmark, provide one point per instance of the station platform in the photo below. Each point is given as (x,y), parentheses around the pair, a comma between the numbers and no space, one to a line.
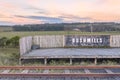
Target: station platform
(73,53)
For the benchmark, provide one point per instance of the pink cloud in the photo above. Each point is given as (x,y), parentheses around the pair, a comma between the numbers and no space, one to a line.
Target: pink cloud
(100,16)
(7,5)
(113,2)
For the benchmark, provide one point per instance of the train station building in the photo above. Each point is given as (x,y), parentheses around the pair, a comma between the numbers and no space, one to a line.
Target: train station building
(70,47)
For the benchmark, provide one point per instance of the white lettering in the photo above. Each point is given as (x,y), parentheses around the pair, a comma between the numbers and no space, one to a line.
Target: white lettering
(77,40)
(84,40)
(97,40)
(88,40)
(92,40)
(80,40)
(73,40)
(100,40)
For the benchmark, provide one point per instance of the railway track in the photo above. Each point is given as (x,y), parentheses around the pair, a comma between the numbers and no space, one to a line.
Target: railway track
(59,71)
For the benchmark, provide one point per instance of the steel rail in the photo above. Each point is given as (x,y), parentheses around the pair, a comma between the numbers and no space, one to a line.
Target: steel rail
(59,75)
(58,67)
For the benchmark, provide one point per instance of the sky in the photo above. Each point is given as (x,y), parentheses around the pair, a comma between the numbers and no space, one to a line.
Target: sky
(58,11)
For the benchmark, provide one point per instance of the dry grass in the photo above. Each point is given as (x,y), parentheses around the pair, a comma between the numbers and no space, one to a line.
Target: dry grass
(32,33)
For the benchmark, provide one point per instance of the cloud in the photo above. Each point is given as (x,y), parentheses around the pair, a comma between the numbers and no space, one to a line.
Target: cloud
(6,23)
(37,10)
(112,2)
(54,11)
(105,16)
(75,18)
(7,5)
(43,18)
(68,16)
(4,16)
(60,19)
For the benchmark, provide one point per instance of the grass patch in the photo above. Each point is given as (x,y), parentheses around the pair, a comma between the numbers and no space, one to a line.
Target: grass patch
(6,29)
(9,56)
(32,33)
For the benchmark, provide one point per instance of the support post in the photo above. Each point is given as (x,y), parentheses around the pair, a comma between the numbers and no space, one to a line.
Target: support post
(45,61)
(95,61)
(20,61)
(70,61)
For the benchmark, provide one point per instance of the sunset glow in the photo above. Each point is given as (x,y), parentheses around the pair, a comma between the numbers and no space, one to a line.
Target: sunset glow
(58,11)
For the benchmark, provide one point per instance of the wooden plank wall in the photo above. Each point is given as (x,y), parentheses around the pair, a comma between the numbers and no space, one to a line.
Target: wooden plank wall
(115,41)
(25,45)
(49,41)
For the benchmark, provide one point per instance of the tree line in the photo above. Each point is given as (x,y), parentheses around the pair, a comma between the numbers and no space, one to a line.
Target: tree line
(9,42)
(39,27)
(97,27)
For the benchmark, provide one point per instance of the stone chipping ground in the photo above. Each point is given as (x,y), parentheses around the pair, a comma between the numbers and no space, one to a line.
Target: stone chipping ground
(61,78)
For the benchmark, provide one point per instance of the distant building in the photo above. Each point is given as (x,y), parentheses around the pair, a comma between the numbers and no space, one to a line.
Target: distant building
(76,29)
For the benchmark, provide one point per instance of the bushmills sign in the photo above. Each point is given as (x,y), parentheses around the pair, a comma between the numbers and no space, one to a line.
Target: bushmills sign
(87,40)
